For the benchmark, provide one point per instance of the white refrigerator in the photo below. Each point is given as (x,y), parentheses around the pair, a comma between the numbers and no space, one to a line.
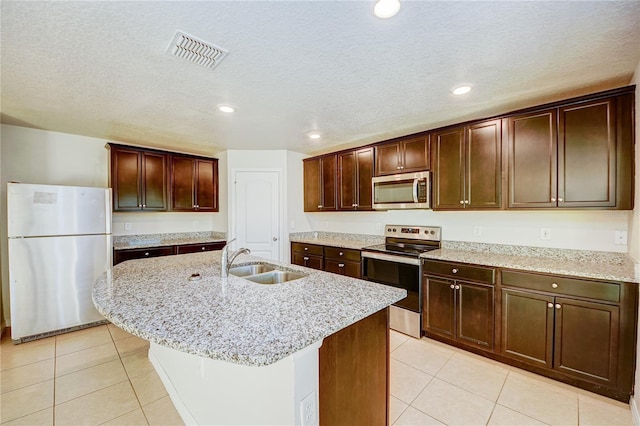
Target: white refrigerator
(59,244)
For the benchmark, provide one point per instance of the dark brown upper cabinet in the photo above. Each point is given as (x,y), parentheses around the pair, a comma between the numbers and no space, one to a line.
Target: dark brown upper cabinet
(138,179)
(467,163)
(320,183)
(403,156)
(194,184)
(574,156)
(355,170)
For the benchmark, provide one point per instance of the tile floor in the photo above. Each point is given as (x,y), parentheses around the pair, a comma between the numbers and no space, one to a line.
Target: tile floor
(101,375)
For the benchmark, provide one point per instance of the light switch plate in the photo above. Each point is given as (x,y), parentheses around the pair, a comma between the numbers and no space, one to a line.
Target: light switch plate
(545,233)
(621,238)
(127,226)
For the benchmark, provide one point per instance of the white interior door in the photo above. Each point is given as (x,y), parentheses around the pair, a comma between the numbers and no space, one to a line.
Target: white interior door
(257,212)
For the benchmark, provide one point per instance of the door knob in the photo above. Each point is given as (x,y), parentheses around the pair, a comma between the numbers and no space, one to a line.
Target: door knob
(275,238)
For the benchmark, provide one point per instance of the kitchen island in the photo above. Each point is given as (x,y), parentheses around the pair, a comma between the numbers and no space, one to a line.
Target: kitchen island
(231,351)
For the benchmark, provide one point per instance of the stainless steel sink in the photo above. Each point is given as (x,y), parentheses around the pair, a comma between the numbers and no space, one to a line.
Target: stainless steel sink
(246,270)
(264,274)
(275,277)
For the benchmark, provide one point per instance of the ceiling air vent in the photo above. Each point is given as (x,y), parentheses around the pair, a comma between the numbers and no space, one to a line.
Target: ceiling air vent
(195,50)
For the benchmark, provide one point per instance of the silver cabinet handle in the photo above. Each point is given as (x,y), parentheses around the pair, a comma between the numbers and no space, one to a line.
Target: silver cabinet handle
(306,248)
(454,271)
(553,200)
(560,199)
(204,248)
(144,205)
(146,253)
(319,206)
(554,285)
(558,306)
(457,287)
(452,286)
(140,205)
(461,201)
(340,265)
(275,238)
(306,258)
(550,305)
(341,254)
(466,201)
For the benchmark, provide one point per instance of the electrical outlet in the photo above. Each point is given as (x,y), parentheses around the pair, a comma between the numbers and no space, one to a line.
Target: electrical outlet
(477,231)
(545,233)
(127,226)
(308,410)
(621,238)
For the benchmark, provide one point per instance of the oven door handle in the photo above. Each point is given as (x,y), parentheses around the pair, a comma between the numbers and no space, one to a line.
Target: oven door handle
(392,258)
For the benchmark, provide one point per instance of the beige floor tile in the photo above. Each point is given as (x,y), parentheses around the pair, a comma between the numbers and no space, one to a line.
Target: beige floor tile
(396,339)
(547,382)
(83,339)
(406,381)
(452,405)
(13,356)
(586,395)
(593,412)
(503,416)
(474,375)
(148,387)
(137,363)
(85,358)
(117,333)
(396,408)
(134,418)
(413,417)
(27,400)
(438,344)
(131,345)
(89,380)
(97,407)
(162,412)
(423,355)
(39,418)
(539,400)
(26,375)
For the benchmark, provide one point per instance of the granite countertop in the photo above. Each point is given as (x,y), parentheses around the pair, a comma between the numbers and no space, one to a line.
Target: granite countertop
(123,242)
(232,319)
(576,263)
(336,239)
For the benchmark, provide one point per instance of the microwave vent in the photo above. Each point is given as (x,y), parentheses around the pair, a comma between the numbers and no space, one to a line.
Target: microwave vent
(196,50)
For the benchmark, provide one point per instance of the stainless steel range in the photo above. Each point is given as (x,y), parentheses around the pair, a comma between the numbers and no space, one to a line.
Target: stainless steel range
(397,263)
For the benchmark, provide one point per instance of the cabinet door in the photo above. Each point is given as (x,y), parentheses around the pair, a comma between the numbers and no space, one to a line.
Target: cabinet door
(448,169)
(484,169)
(364,173)
(388,157)
(197,248)
(154,181)
(586,340)
(587,155)
(126,169)
(329,167)
(475,320)
(206,176)
(312,187)
(143,253)
(533,160)
(347,195)
(415,154)
(182,184)
(349,269)
(315,262)
(527,327)
(439,304)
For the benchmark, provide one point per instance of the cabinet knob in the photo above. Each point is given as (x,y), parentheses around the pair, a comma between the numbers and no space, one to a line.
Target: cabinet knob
(146,253)
(554,285)
(341,254)
(560,199)
(558,306)
(454,271)
(306,258)
(457,287)
(553,200)
(140,205)
(452,286)
(319,206)
(397,167)
(461,201)
(306,248)
(144,205)
(466,201)
(340,265)
(550,305)
(203,248)
(401,167)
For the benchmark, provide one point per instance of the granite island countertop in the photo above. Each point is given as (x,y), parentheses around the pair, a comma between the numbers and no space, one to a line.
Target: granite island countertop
(576,263)
(336,239)
(123,242)
(232,319)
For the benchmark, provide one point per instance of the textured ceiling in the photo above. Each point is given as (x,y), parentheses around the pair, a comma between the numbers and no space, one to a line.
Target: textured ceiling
(101,69)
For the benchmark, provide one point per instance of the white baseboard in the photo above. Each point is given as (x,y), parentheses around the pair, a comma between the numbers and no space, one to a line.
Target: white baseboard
(635,414)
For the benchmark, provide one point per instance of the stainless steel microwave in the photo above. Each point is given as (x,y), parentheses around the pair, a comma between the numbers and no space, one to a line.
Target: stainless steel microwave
(402,191)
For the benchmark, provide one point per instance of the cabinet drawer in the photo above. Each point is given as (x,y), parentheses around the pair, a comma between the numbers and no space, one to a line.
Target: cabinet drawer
(460,271)
(342,254)
(306,248)
(561,285)
(350,269)
(315,262)
(194,248)
(122,255)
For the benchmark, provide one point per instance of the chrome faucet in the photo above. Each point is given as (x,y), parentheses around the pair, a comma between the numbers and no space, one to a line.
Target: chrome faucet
(226,260)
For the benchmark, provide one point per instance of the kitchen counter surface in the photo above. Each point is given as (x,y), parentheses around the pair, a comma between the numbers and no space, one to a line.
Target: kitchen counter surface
(123,242)
(335,239)
(232,319)
(575,263)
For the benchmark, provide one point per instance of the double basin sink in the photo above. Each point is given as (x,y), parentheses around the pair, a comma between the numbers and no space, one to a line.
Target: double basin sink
(262,273)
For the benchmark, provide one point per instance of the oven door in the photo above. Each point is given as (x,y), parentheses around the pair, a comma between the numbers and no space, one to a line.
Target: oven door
(397,271)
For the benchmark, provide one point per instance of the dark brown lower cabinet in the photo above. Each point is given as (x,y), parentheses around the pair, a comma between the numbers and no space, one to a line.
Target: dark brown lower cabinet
(195,248)
(143,253)
(308,260)
(354,374)
(460,311)
(343,261)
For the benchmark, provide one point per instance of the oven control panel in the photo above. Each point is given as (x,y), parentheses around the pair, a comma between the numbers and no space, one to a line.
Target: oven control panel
(431,233)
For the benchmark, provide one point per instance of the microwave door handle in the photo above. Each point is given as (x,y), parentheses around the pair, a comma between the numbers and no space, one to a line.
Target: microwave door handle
(415,190)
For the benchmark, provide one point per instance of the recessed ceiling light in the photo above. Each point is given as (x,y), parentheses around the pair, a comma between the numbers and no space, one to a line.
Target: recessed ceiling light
(386,8)
(314,135)
(461,90)
(226,108)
